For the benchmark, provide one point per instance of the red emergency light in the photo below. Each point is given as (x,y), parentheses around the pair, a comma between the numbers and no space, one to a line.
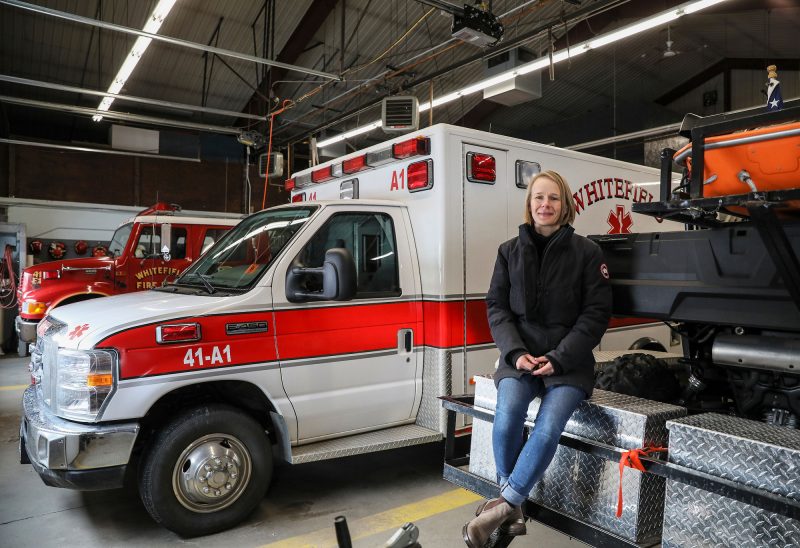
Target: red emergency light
(413,147)
(288,185)
(322,175)
(354,165)
(178,332)
(299,197)
(482,168)
(420,175)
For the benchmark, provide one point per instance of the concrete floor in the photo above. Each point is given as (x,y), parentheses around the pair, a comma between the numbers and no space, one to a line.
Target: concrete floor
(376,492)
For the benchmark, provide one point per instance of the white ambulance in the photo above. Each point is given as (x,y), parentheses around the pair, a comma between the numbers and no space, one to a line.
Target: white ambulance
(318,329)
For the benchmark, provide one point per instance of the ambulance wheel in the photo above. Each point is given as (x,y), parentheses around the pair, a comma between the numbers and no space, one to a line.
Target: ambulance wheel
(205,471)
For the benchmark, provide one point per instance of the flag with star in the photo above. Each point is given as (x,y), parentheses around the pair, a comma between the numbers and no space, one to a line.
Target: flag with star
(774,97)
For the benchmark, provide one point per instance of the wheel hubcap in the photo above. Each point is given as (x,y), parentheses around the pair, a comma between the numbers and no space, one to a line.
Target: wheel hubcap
(211,473)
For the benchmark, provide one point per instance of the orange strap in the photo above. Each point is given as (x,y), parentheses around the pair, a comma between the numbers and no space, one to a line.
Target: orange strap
(631,460)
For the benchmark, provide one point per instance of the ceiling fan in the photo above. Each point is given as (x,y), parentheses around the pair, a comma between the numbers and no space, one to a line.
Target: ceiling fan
(668,52)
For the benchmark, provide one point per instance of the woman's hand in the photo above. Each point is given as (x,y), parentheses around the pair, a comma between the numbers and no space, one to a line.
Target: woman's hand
(543,367)
(526,362)
(540,366)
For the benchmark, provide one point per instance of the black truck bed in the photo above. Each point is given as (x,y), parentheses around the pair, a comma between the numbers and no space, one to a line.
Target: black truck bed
(721,276)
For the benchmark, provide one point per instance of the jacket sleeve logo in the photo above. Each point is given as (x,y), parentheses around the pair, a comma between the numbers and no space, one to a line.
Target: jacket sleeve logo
(604,270)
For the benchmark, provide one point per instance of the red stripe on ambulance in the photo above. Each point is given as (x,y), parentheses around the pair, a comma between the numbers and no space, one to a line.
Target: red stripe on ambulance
(307,333)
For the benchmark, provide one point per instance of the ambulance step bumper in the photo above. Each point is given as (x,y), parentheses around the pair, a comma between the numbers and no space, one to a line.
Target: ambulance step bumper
(379,440)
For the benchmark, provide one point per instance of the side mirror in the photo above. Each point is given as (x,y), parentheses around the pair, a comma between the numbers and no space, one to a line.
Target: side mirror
(337,274)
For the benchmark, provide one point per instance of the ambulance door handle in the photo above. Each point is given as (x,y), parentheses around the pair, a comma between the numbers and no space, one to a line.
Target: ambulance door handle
(405,341)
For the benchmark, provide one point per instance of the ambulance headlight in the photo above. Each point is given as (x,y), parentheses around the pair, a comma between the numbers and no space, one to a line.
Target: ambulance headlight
(84,382)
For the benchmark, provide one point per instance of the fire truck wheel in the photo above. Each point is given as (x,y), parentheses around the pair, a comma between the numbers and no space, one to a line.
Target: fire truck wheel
(206,470)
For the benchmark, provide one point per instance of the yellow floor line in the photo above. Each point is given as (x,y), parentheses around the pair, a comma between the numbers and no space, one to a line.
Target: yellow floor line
(385,521)
(14,387)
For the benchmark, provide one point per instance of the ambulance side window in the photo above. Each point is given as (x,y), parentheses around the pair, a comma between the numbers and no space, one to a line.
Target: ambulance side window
(370,237)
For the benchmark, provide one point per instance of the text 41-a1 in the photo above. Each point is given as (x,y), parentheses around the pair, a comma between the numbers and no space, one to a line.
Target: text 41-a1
(195,356)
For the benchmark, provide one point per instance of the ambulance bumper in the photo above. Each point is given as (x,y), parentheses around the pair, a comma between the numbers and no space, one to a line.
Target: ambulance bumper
(70,454)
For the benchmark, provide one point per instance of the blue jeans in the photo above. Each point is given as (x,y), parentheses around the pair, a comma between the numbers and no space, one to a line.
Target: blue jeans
(520,464)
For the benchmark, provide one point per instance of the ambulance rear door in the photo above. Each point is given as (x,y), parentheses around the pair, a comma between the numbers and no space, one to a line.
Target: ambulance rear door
(485,177)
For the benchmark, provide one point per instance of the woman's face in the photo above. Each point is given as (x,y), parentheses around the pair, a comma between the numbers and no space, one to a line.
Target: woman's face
(545,203)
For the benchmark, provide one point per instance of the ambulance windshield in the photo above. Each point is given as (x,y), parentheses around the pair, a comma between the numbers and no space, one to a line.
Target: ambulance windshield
(118,241)
(237,260)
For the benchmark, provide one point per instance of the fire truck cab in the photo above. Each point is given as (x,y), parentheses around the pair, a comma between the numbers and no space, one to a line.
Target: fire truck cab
(145,252)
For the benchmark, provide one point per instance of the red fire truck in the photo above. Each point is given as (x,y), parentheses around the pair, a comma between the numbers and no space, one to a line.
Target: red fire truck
(145,252)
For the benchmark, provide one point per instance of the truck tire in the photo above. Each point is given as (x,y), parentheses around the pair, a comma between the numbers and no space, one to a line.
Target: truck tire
(639,375)
(206,470)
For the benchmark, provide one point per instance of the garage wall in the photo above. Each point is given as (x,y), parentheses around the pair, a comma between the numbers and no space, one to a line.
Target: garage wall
(51,174)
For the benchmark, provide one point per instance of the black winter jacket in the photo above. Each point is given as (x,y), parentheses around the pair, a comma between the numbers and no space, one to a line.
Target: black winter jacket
(557,306)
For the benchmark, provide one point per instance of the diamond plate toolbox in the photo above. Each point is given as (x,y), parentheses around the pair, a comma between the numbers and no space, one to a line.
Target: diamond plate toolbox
(585,486)
(747,452)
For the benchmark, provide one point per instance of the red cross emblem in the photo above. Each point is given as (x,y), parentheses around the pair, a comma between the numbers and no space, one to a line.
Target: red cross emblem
(78,331)
(620,221)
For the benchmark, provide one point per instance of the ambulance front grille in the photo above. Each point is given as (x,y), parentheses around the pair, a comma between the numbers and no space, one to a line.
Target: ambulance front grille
(44,358)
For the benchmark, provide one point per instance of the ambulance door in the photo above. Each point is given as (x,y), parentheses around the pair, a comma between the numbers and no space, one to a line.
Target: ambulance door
(485,186)
(350,366)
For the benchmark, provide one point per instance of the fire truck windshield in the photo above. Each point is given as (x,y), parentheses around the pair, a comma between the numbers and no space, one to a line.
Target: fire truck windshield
(117,245)
(239,258)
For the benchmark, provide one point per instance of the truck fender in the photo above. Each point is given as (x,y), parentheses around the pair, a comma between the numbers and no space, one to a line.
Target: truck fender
(241,394)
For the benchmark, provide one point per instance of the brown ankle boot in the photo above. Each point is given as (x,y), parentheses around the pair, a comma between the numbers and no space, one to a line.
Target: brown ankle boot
(514,526)
(493,514)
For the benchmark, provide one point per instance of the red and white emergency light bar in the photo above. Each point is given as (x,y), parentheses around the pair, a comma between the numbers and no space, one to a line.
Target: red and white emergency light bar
(481,168)
(419,174)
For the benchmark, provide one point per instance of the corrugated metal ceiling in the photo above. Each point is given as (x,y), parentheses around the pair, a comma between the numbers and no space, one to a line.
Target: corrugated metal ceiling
(377,40)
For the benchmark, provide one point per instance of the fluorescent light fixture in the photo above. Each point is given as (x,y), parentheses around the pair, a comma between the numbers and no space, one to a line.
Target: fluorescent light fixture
(154,22)
(578,49)
(348,134)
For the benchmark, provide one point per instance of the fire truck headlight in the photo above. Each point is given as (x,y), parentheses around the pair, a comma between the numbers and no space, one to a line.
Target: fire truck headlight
(84,382)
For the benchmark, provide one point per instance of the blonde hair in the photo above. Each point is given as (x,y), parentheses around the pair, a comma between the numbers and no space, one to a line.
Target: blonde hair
(567,202)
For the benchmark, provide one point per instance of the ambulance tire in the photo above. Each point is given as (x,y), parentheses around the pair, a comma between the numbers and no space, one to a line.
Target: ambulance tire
(639,375)
(212,447)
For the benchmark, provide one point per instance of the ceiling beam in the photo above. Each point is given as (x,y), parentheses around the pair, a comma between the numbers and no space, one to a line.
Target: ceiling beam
(313,19)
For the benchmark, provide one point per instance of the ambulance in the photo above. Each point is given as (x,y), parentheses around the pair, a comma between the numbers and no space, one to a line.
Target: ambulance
(318,329)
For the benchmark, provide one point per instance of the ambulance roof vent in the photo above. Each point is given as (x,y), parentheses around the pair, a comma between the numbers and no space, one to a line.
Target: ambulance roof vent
(400,113)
